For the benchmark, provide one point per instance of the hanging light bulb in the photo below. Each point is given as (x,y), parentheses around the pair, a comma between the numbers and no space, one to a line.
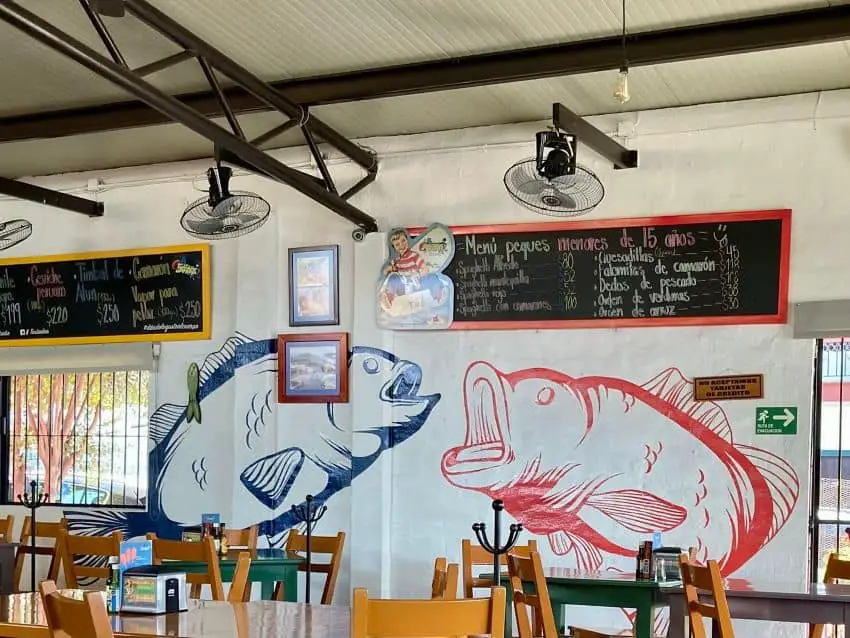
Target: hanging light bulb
(621,90)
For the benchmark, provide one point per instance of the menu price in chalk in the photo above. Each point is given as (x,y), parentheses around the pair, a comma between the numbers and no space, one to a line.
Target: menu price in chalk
(686,269)
(141,296)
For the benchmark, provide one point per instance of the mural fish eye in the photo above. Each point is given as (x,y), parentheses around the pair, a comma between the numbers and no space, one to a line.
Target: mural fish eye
(185,461)
(540,440)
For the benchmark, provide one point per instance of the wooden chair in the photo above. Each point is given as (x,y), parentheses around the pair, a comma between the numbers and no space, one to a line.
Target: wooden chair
(72,618)
(239,584)
(837,568)
(696,578)
(424,618)
(331,545)
(242,538)
(444,583)
(477,556)
(7,527)
(530,569)
(70,546)
(42,531)
(196,552)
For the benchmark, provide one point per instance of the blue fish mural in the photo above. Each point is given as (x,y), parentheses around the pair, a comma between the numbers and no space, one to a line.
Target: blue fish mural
(185,478)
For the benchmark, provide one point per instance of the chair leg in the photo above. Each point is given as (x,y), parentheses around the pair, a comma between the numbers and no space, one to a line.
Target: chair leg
(278,592)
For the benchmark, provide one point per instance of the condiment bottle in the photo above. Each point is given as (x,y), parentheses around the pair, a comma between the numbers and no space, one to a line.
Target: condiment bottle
(222,540)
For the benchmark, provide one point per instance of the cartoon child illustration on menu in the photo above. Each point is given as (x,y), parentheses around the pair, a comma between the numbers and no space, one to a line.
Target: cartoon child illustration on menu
(413,292)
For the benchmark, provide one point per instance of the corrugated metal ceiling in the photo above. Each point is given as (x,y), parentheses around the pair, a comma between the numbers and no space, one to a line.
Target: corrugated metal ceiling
(299,38)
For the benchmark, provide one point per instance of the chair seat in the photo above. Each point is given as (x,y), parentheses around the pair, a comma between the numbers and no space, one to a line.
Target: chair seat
(596,632)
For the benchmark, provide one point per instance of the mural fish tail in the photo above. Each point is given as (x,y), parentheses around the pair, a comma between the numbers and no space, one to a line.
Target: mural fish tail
(185,479)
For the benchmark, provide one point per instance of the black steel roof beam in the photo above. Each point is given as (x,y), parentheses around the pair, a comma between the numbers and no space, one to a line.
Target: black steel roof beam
(212,80)
(103,34)
(171,29)
(274,132)
(42,31)
(760,33)
(48,197)
(566,120)
(164,63)
(320,161)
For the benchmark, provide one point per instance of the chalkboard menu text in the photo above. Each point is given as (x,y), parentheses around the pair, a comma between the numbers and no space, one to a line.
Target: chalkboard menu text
(704,269)
(151,294)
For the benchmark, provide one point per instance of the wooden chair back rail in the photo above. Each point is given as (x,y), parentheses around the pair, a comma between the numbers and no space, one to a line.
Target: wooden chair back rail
(71,618)
(239,583)
(530,569)
(332,545)
(477,556)
(696,578)
(444,581)
(7,526)
(837,568)
(196,552)
(71,546)
(42,531)
(246,537)
(424,618)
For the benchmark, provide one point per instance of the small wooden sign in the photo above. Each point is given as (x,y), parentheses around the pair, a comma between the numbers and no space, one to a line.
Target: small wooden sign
(741,386)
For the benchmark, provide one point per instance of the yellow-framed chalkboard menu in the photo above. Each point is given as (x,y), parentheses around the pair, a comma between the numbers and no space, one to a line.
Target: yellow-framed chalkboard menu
(145,294)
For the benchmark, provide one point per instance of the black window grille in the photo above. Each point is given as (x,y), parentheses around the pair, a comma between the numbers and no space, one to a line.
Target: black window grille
(83,437)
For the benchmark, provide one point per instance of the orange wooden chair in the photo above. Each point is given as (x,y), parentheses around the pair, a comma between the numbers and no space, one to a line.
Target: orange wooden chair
(72,618)
(242,538)
(239,584)
(7,527)
(426,618)
(530,569)
(196,552)
(837,568)
(70,546)
(696,578)
(444,582)
(476,556)
(329,545)
(48,531)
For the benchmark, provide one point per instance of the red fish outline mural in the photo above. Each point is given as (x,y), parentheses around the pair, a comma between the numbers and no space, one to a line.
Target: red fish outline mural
(596,464)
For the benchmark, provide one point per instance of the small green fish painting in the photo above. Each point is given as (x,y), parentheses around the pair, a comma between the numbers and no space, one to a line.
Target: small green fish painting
(193,407)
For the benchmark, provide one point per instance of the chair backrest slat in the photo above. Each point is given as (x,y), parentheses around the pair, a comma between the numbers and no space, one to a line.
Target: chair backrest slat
(524,569)
(42,531)
(71,546)
(444,582)
(71,618)
(697,578)
(476,556)
(331,545)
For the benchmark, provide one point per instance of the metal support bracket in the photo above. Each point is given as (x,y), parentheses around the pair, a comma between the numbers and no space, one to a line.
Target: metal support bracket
(39,195)
(211,59)
(565,120)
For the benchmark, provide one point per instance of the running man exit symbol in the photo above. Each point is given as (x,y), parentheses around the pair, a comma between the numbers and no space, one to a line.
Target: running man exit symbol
(771,420)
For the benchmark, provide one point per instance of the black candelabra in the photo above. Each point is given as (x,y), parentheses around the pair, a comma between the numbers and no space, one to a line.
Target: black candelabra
(496,548)
(308,515)
(33,501)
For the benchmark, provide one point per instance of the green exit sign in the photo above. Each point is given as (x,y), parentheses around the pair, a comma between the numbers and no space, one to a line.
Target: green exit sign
(771,420)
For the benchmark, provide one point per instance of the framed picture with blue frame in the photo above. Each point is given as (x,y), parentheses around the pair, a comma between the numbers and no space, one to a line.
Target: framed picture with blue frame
(312,368)
(314,286)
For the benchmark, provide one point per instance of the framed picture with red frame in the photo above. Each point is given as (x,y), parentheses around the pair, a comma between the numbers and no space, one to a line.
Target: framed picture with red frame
(312,368)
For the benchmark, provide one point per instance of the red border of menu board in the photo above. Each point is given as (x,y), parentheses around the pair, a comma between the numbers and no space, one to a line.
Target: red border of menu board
(784,215)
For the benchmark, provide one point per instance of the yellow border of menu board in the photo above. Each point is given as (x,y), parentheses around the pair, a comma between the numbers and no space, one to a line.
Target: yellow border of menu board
(206,301)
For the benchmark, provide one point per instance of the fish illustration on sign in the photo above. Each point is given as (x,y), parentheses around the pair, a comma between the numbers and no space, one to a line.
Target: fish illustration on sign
(542,441)
(185,462)
(193,408)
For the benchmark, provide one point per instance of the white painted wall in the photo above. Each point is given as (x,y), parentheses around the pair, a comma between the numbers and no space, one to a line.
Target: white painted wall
(779,153)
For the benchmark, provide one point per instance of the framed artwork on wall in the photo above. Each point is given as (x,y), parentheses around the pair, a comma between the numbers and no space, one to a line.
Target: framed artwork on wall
(312,368)
(314,286)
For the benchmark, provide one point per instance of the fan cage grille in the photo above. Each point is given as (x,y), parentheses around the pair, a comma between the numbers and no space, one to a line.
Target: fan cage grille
(199,213)
(584,189)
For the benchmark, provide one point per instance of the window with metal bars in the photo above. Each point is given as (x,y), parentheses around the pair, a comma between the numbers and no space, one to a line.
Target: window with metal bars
(831,462)
(83,437)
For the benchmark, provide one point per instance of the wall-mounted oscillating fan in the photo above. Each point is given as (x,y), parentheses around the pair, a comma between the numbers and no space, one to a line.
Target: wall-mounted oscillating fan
(224,214)
(551,183)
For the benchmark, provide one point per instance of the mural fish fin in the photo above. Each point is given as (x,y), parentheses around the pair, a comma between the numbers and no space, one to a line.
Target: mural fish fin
(781,480)
(279,538)
(270,478)
(672,387)
(639,511)
(224,355)
(98,523)
(588,558)
(162,421)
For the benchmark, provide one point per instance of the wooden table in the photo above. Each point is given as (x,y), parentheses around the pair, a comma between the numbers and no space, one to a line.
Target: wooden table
(268,566)
(21,616)
(765,600)
(601,589)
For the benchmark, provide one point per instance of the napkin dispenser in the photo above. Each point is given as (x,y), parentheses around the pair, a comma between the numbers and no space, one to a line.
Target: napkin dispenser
(153,589)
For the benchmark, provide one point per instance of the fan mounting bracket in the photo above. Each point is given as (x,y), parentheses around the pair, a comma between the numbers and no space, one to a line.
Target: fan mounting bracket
(566,120)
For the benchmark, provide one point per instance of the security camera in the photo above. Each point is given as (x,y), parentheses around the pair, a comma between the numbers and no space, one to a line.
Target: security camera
(358,234)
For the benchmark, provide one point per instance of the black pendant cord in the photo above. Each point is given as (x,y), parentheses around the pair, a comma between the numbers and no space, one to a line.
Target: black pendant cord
(33,501)
(496,548)
(306,514)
